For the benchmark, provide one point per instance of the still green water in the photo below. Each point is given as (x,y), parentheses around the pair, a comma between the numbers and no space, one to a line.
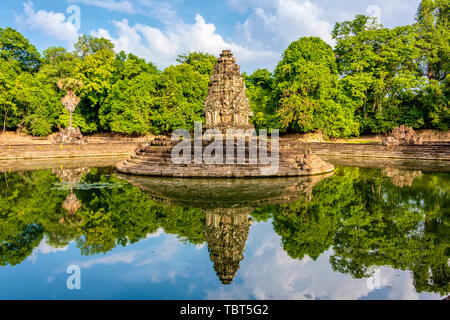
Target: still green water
(356,234)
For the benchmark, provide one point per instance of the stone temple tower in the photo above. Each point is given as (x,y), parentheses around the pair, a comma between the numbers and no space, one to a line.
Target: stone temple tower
(226,105)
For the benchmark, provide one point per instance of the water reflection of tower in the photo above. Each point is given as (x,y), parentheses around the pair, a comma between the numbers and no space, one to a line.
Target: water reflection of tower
(71,177)
(226,231)
(227,204)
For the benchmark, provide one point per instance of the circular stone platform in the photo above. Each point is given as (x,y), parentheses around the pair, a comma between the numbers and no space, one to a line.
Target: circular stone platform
(155,160)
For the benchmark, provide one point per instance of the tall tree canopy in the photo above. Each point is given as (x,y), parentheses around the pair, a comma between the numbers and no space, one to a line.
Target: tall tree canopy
(379,69)
(87,45)
(14,46)
(375,78)
(307,90)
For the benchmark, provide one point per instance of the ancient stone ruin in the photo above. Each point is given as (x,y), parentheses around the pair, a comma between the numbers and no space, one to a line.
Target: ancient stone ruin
(402,136)
(401,178)
(226,105)
(69,135)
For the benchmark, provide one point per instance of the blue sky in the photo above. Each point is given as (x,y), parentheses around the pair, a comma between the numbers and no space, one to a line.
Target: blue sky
(257,31)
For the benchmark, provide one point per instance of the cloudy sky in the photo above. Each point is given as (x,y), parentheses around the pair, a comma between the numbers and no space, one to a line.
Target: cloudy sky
(257,31)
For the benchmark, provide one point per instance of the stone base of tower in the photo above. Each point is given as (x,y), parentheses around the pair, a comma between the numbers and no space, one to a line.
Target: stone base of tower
(155,159)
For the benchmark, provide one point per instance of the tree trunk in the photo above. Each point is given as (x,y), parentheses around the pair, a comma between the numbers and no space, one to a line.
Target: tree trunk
(70,119)
(430,72)
(4,119)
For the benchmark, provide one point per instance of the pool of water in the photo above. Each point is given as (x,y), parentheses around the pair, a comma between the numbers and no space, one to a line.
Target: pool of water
(359,233)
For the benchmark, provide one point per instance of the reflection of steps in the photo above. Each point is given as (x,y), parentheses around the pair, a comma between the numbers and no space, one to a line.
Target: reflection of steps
(156,160)
(225,193)
(427,151)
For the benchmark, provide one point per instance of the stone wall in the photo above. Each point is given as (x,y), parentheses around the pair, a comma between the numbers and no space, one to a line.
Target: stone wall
(427,151)
(37,151)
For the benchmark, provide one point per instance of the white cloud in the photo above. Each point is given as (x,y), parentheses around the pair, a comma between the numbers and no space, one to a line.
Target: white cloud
(164,252)
(162,46)
(200,246)
(50,23)
(155,234)
(287,21)
(120,6)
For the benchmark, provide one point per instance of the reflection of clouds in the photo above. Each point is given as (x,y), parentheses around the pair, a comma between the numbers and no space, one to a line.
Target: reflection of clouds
(44,248)
(155,234)
(267,272)
(159,263)
(164,252)
(125,257)
(200,246)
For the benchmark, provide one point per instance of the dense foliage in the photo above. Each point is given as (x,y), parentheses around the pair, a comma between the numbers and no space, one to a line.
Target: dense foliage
(367,219)
(374,79)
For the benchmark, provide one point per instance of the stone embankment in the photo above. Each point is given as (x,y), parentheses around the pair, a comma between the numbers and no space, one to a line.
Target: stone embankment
(102,147)
(41,151)
(426,151)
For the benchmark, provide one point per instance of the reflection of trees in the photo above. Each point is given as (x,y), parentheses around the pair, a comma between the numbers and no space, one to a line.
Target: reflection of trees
(31,207)
(26,204)
(369,221)
(225,205)
(360,213)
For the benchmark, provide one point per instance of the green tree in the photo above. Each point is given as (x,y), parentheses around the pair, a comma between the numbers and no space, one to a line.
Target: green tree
(262,103)
(200,61)
(57,63)
(15,47)
(179,102)
(130,66)
(37,105)
(96,72)
(8,75)
(379,70)
(129,104)
(88,45)
(307,91)
(433,23)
